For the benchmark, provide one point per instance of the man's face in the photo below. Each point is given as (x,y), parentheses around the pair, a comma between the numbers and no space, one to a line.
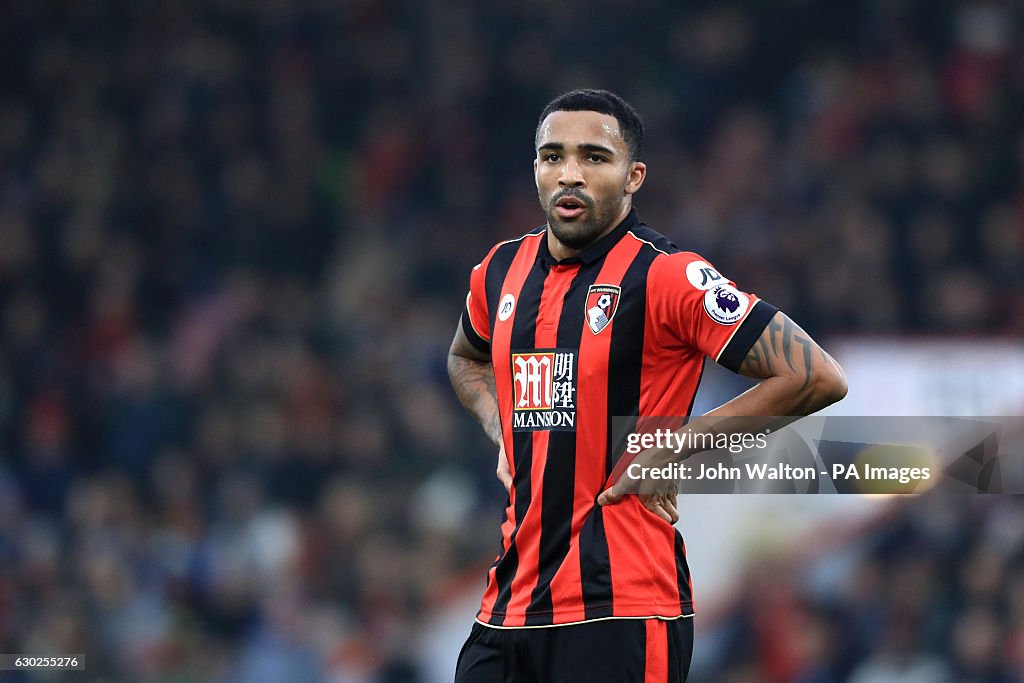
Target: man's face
(584,176)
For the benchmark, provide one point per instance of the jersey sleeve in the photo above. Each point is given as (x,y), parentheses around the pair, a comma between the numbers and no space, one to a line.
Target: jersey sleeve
(702,308)
(475,317)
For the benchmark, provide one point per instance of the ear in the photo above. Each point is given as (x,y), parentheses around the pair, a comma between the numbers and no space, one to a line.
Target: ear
(536,180)
(635,177)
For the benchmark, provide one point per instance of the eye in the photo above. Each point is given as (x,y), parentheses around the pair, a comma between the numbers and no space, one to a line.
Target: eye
(551,157)
(596,158)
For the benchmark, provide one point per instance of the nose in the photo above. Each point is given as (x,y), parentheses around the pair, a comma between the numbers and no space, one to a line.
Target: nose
(572,174)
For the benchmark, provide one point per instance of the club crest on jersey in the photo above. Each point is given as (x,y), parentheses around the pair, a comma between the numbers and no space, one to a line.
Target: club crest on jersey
(544,390)
(725,304)
(602,300)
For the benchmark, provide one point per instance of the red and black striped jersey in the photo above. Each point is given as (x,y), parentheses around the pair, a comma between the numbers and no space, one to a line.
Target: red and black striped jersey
(620,330)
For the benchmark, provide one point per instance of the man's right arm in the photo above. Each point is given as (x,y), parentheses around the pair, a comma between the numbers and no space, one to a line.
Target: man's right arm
(472,376)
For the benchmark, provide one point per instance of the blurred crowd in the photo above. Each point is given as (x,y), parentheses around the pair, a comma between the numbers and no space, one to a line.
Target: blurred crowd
(933,594)
(235,239)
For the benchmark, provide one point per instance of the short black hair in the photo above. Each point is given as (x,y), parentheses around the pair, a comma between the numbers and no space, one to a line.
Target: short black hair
(603,102)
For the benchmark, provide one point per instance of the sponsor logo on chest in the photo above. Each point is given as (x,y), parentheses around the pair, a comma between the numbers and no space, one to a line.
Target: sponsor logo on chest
(544,390)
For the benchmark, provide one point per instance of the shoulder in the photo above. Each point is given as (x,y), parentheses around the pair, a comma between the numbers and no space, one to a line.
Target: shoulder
(666,254)
(532,234)
(681,277)
(670,265)
(652,240)
(511,246)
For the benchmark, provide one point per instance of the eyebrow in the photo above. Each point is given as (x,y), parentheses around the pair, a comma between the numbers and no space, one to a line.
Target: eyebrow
(584,147)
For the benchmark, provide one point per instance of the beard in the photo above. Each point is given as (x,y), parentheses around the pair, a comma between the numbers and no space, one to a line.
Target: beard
(577,233)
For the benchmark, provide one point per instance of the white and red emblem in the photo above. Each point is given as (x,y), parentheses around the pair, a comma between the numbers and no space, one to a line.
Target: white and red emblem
(532,376)
(544,390)
(602,300)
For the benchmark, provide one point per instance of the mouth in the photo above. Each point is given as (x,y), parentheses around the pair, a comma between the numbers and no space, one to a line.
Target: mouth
(569,207)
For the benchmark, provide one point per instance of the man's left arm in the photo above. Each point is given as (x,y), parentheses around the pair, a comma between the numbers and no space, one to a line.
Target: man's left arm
(797,376)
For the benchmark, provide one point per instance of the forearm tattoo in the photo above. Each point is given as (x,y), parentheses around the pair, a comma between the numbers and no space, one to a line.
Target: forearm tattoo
(474,385)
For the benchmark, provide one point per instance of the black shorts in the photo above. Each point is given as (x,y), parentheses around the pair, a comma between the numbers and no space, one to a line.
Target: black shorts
(613,650)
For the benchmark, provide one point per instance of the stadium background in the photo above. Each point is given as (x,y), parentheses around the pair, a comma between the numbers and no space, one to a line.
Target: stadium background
(235,238)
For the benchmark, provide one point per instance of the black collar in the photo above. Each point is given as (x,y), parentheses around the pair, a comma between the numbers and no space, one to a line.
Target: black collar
(596,250)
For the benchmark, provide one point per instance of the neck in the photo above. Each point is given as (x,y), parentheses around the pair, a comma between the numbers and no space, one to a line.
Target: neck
(560,251)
